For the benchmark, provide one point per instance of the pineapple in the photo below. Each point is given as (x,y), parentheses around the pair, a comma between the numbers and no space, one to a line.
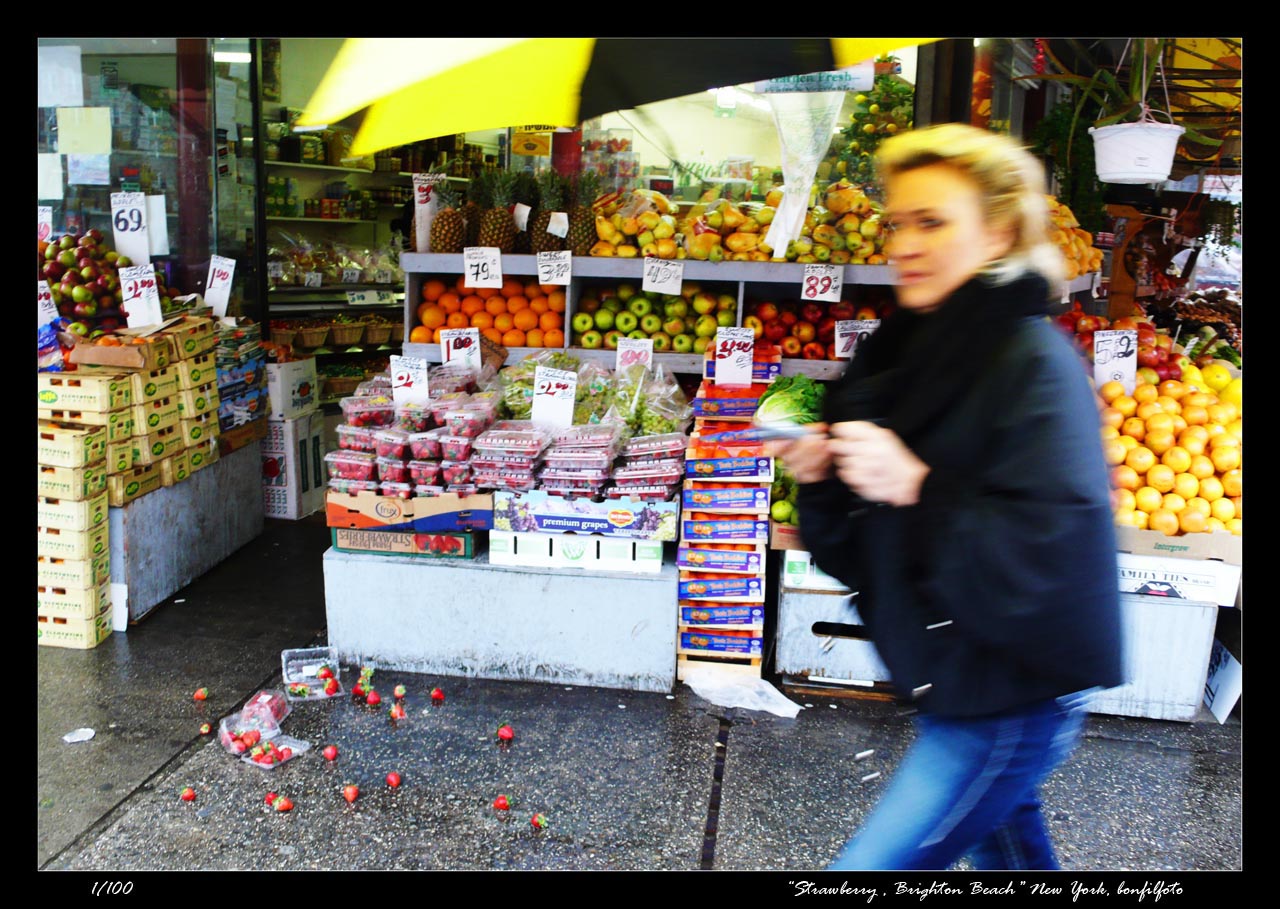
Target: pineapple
(496,226)
(526,192)
(552,186)
(448,231)
(582,221)
(477,201)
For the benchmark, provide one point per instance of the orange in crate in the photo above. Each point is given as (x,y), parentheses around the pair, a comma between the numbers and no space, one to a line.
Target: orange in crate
(421,335)
(553,338)
(550,320)
(525,319)
(513,338)
(534,338)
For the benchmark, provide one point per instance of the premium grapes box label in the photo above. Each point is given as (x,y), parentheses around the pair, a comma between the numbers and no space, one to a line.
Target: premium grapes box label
(539,512)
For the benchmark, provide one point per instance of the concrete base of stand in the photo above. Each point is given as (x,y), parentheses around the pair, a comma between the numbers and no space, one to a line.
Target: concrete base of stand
(609,630)
(825,655)
(166,539)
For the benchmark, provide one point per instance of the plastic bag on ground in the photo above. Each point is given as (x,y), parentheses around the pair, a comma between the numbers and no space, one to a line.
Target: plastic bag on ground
(730,690)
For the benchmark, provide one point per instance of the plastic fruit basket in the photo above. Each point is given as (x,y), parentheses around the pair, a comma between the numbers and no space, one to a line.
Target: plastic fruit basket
(356,438)
(270,703)
(396,490)
(236,724)
(350,465)
(392,470)
(424,473)
(297,747)
(390,443)
(339,485)
(413,418)
(425,445)
(302,667)
(373,410)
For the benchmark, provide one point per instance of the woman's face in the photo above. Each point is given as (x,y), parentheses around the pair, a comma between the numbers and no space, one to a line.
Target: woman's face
(939,238)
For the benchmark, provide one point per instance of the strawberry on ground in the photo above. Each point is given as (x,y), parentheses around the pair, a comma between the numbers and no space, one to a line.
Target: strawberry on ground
(283,803)
(188,795)
(501,803)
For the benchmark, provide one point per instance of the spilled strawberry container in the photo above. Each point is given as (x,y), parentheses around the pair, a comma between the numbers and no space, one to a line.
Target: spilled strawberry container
(311,673)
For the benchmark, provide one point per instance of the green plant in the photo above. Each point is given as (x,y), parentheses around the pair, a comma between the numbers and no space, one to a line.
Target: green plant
(1221,221)
(1063,138)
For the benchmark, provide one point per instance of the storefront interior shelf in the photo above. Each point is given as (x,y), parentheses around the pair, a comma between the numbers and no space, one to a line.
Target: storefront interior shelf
(325,220)
(334,288)
(331,305)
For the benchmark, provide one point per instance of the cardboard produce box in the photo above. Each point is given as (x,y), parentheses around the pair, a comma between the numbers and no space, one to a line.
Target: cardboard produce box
(741,616)
(73,602)
(70,514)
(71,482)
(292,388)
(451,511)
(117,423)
(413,545)
(749,529)
(784,536)
(202,455)
(146,385)
(82,573)
(80,545)
(614,517)
(694,556)
(230,440)
(125,487)
(581,551)
(153,352)
(242,409)
(199,429)
(154,416)
(72,391)
(435,514)
(720,642)
(724,589)
(189,337)
(1195,566)
(174,469)
(293,477)
(197,370)
(238,378)
(699,496)
(119,456)
(76,634)
(192,402)
(154,448)
(69,445)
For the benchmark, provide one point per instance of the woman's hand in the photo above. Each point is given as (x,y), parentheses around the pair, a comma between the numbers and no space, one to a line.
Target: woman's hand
(876,464)
(808,459)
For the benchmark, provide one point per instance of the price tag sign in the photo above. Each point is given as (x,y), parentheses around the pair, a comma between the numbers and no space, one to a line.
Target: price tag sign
(1115,358)
(312,279)
(129,226)
(44,222)
(482,266)
(46,311)
(632,351)
(461,347)
(351,276)
(822,282)
(559,225)
(408,380)
(554,391)
(1097,281)
(141,299)
(217,288)
(555,267)
(521,216)
(734,350)
(850,335)
(370,297)
(275,270)
(382,276)
(662,276)
(425,204)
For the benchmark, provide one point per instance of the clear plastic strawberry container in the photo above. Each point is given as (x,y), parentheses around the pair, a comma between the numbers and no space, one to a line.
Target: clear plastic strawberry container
(356,438)
(393,470)
(574,474)
(572,491)
(374,410)
(603,435)
(468,422)
(396,490)
(351,465)
(644,493)
(390,443)
(427,491)
(378,385)
(282,749)
(455,448)
(462,489)
(672,443)
(340,485)
(246,730)
(455,472)
(413,418)
(424,472)
(269,702)
(578,458)
(664,460)
(306,665)
(424,445)
(648,475)
(513,480)
(513,437)
(441,405)
(501,460)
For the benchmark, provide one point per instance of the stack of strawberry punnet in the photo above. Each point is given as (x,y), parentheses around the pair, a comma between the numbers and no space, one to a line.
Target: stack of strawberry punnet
(73,555)
(724,531)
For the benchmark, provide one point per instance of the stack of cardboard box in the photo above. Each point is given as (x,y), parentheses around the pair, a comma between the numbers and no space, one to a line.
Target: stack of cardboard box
(293,480)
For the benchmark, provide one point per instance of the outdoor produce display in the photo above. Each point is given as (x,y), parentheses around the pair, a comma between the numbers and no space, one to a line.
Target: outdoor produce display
(519,314)
(296,261)
(808,330)
(683,323)
(1207,322)
(1076,244)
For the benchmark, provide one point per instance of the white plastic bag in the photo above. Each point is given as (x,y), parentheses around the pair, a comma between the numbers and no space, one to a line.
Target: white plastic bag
(727,690)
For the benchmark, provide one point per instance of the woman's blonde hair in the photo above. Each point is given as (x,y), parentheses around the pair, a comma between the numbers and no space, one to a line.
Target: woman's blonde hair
(1009,178)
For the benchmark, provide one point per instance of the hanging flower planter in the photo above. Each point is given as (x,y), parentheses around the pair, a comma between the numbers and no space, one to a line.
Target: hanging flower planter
(1139,152)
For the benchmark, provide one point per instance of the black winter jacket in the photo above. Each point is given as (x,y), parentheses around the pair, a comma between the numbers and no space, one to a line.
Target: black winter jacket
(999,587)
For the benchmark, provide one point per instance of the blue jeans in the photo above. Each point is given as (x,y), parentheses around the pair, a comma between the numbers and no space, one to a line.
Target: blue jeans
(967,786)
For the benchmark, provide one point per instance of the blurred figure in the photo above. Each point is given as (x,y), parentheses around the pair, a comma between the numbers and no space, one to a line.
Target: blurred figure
(958,485)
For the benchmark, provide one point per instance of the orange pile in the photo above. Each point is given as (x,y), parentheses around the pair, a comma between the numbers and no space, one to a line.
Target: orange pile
(517,315)
(1175,458)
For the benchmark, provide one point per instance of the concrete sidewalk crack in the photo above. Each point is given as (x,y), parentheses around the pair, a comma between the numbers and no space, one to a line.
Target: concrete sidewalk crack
(713,807)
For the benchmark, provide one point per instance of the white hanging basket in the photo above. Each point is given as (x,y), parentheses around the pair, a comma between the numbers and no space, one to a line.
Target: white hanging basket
(1135,152)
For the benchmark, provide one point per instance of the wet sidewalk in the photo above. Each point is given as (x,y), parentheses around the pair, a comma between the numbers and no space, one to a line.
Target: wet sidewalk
(627,780)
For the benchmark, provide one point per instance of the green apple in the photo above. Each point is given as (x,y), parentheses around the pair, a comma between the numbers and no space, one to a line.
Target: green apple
(637,335)
(604,319)
(592,339)
(704,303)
(648,238)
(673,326)
(626,321)
(626,292)
(715,220)
(666,228)
(651,323)
(611,339)
(682,343)
(706,326)
(726,319)
(661,341)
(677,308)
(726,303)
(612,304)
(700,345)
(821,253)
(583,321)
(640,305)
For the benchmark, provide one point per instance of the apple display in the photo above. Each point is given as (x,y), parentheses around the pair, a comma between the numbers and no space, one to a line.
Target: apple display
(706,326)
(682,343)
(814,351)
(588,304)
(592,339)
(640,306)
(611,339)
(604,319)
(767,312)
(812,312)
(726,318)
(726,303)
(673,326)
(791,346)
(866,313)
(805,331)
(650,323)
(676,308)
(756,326)
(701,344)
(626,322)
(583,321)
(704,304)
(661,341)
(637,335)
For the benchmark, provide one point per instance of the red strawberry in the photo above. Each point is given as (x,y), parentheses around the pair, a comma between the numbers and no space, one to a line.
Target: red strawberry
(268,760)
(506,733)
(239,747)
(539,821)
(271,797)
(324,673)
(393,779)
(373,699)
(286,753)
(501,803)
(358,690)
(283,803)
(330,752)
(331,687)
(400,691)
(188,795)
(201,694)
(257,751)
(397,712)
(437,695)
(350,792)
(251,738)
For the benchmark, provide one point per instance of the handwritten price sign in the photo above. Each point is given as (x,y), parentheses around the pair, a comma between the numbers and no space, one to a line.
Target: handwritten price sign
(129,225)
(351,276)
(425,204)
(461,347)
(632,351)
(482,266)
(44,222)
(822,282)
(217,288)
(46,311)
(734,350)
(408,380)
(370,297)
(141,298)
(555,267)
(554,391)
(851,334)
(662,276)
(1115,358)
(313,279)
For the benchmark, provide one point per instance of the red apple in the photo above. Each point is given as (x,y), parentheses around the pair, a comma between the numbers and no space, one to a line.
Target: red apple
(756,326)
(865,312)
(1104,324)
(812,312)
(1086,325)
(1146,337)
(1163,341)
(775,331)
(788,318)
(831,351)
(842,311)
(805,331)
(1128,323)
(827,329)
(1147,355)
(814,351)
(791,346)
(766,312)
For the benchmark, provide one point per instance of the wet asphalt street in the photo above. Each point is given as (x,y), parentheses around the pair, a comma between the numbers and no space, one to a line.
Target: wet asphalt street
(626,780)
